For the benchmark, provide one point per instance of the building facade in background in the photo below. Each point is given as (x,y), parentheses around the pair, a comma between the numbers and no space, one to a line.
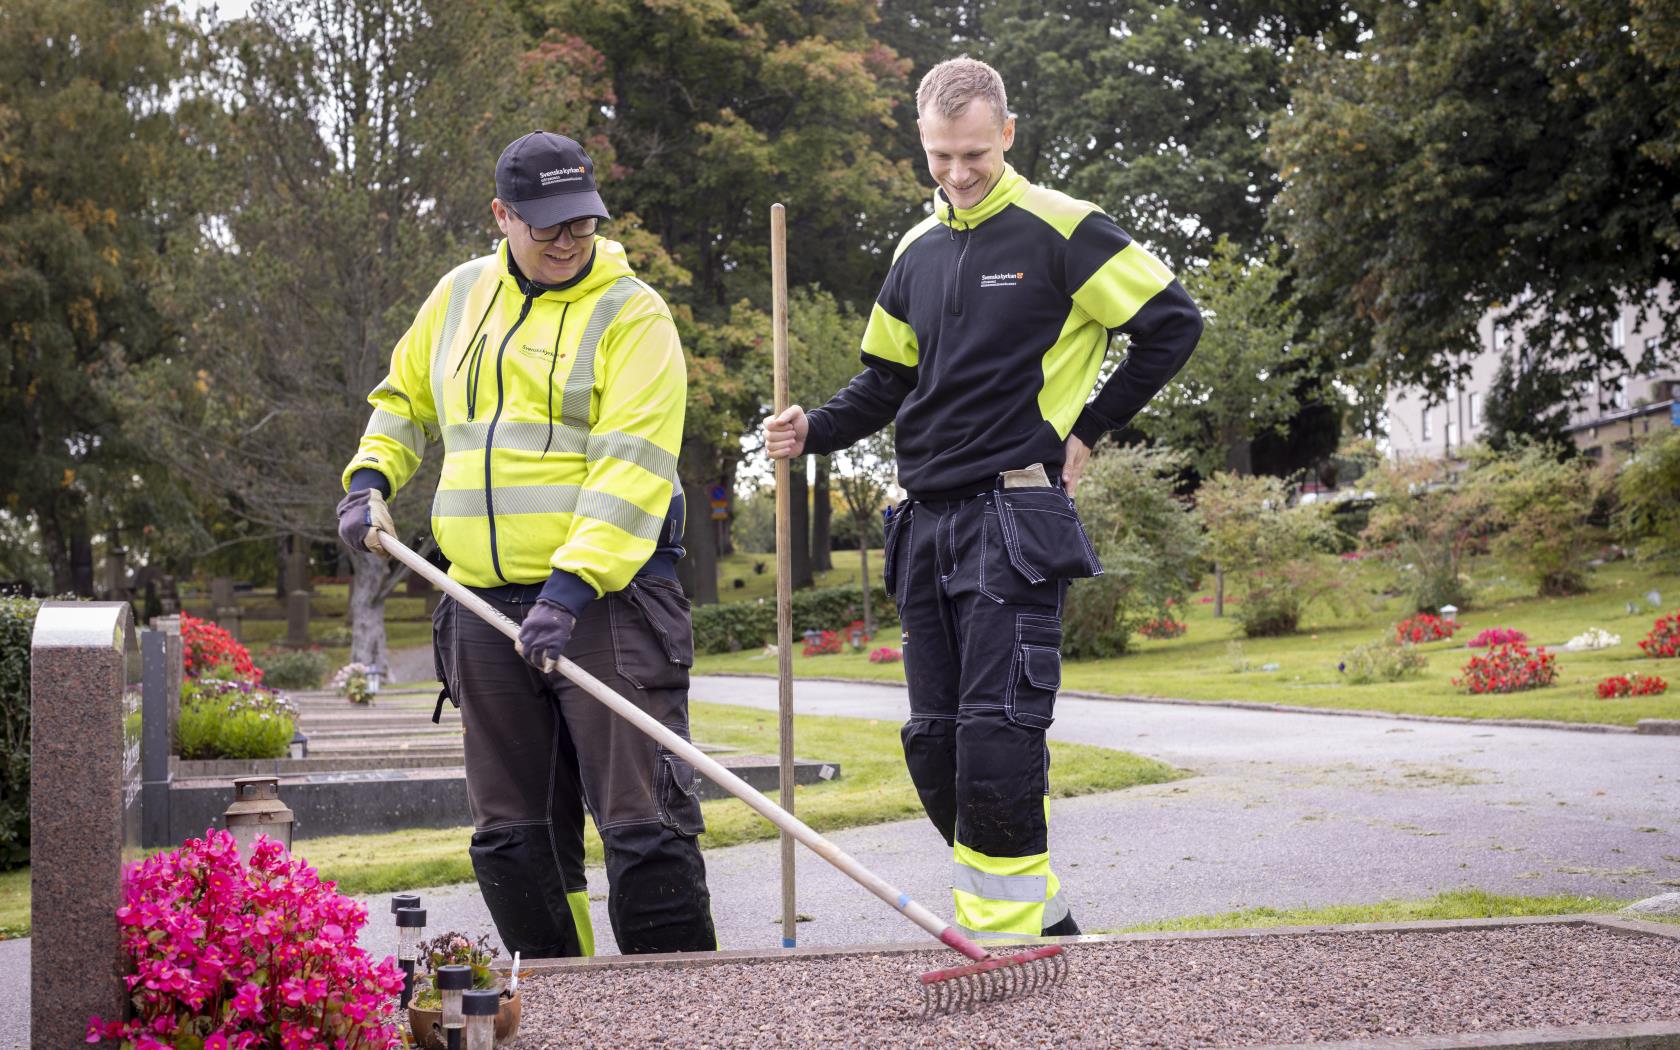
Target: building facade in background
(1605,418)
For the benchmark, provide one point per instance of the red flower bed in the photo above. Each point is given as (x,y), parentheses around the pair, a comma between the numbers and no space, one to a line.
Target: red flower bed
(1164,627)
(206,647)
(1617,686)
(886,654)
(1664,639)
(1424,627)
(1509,668)
(823,645)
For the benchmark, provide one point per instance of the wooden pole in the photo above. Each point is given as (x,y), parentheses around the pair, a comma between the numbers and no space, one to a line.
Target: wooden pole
(784,561)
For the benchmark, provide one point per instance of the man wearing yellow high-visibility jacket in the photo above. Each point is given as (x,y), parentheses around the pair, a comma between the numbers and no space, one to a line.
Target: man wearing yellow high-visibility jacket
(555,380)
(984,347)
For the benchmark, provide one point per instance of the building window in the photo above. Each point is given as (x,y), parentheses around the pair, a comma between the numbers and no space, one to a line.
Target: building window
(1619,392)
(1427,432)
(1618,333)
(1475,408)
(1452,429)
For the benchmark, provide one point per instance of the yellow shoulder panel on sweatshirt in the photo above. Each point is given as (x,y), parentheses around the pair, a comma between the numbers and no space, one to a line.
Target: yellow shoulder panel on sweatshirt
(915,233)
(1058,209)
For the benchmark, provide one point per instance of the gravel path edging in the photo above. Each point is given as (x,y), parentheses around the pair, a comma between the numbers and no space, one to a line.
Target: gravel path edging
(1256,705)
(1632,927)
(1640,1035)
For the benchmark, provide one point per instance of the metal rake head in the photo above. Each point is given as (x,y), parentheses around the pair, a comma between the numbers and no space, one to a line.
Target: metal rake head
(992,980)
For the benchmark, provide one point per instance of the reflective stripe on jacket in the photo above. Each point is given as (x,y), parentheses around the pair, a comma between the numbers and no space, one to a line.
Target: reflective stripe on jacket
(560,413)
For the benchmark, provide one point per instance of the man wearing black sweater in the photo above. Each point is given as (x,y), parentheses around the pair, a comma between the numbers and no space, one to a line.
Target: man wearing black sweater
(984,346)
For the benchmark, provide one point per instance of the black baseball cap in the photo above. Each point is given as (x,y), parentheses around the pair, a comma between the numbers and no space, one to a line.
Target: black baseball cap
(548,179)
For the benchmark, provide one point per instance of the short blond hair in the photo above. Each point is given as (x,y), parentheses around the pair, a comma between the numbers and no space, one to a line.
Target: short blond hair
(949,87)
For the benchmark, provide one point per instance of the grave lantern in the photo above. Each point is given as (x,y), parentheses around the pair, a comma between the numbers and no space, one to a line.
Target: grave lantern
(1449,613)
(452,980)
(257,810)
(411,926)
(480,1007)
(300,744)
(373,677)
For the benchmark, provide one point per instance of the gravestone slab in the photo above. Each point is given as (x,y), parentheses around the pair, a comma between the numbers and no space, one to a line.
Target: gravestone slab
(221,592)
(160,661)
(297,619)
(84,811)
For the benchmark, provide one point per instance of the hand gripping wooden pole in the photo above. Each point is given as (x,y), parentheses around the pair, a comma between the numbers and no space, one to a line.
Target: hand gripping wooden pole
(990,978)
(784,561)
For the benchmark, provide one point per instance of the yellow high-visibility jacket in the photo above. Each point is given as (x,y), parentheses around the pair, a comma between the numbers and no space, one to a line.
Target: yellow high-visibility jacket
(560,413)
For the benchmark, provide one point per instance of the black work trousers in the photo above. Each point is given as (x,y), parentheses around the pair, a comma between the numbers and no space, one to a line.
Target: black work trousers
(979,584)
(539,751)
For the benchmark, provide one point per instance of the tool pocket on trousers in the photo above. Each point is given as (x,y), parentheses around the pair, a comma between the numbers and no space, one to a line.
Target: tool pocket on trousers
(892,556)
(1044,536)
(653,639)
(1036,671)
(679,795)
(443,655)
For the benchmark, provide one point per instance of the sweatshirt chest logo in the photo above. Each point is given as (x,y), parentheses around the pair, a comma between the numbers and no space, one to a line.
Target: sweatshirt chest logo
(1001,280)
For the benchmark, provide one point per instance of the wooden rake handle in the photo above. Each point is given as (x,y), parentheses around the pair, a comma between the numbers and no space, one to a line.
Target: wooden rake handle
(713,770)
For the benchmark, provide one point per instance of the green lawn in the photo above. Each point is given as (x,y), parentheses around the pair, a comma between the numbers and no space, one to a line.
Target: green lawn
(873,788)
(1453,904)
(755,585)
(1199,665)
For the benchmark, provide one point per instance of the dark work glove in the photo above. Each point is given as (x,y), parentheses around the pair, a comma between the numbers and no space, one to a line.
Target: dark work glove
(544,634)
(359,514)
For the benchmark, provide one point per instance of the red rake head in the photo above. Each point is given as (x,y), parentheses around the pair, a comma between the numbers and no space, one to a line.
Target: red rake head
(992,979)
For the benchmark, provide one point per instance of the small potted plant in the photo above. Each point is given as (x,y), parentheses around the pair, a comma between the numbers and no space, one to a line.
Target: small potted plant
(353,681)
(425,1010)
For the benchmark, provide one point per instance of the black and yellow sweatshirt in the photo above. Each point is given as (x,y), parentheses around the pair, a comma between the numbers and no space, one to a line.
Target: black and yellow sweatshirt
(989,333)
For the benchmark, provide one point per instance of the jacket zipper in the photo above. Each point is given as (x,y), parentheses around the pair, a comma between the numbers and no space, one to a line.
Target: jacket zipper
(490,438)
(956,284)
(472,378)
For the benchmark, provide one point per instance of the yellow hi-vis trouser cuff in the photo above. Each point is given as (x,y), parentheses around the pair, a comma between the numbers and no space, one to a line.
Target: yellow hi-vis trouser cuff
(579,903)
(1005,896)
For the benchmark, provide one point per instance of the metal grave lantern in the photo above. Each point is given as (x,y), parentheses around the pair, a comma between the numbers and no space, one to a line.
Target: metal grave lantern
(1449,613)
(257,810)
(300,744)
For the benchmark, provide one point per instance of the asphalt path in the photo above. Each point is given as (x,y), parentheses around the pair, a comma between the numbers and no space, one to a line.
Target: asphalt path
(1282,810)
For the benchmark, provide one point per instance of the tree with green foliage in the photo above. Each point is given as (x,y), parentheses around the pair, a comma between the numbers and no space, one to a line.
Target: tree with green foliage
(86,145)
(1526,405)
(1429,523)
(1510,155)
(347,149)
(1147,540)
(1647,514)
(1237,385)
(1541,501)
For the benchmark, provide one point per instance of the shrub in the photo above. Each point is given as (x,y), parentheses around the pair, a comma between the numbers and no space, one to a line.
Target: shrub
(1490,636)
(886,654)
(1265,547)
(233,720)
(1664,639)
(1433,521)
(1424,627)
(1631,685)
(1541,506)
(1148,542)
(1161,628)
(208,651)
(733,626)
(293,668)
(1384,661)
(1509,668)
(17,626)
(227,954)
(1647,514)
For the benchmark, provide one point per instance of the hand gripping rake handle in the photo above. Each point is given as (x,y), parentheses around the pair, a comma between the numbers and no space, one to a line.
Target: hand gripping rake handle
(707,765)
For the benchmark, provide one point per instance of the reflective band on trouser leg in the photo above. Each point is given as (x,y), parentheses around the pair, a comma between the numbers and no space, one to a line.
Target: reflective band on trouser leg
(1005,896)
(579,903)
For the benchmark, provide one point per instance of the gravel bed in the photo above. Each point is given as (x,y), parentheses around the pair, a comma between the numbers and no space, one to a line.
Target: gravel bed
(1178,993)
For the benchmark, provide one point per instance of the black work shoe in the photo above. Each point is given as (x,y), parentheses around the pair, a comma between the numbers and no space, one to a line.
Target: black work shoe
(1066,928)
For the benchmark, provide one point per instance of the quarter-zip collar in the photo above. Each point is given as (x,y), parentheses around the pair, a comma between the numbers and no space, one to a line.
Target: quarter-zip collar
(1009,189)
(608,265)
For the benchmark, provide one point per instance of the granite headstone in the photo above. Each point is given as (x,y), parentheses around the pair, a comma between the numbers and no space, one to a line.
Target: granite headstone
(84,811)
(297,619)
(160,700)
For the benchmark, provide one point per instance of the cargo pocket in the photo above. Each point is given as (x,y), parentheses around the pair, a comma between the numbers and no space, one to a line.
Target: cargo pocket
(443,655)
(653,639)
(679,795)
(892,556)
(1044,536)
(1036,671)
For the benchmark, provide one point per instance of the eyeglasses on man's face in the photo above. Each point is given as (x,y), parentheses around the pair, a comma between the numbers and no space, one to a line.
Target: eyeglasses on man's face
(578,228)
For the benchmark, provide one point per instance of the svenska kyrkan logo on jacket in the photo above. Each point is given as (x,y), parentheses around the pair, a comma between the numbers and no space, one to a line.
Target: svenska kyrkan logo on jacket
(1001,280)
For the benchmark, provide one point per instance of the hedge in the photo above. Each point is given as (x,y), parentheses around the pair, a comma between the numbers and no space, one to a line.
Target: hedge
(735,626)
(17,625)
